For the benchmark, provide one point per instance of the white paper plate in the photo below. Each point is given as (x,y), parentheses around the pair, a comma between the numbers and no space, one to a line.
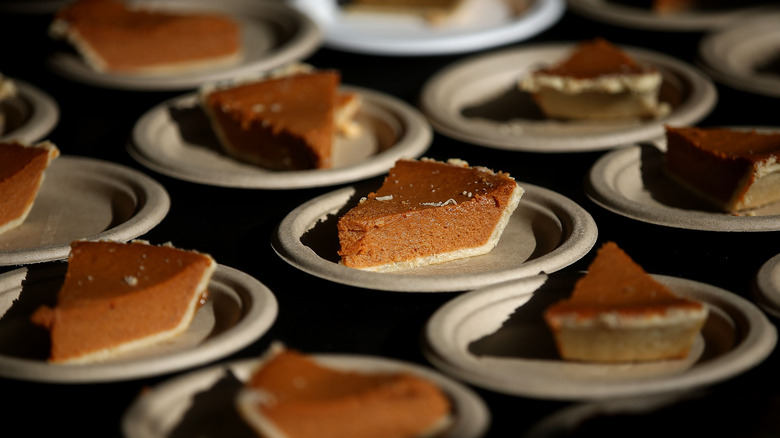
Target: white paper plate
(746,55)
(643,18)
(547,232)
(767,286)
(496,338)
(273,34)
(477,100)
(238,311)
(631,182)
(175,138)
(30,115)
(202,403)
(487,23)
(84,198)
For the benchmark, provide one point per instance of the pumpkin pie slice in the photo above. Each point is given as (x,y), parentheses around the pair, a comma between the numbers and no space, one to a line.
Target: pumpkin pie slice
(22,170)
(120,297)
(734,170)
(619,313)
(597,80)
(284,120)
(427,212)
(291,395)
(114,37)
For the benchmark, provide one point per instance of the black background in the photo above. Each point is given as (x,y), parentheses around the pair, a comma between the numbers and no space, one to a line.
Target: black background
(235,226)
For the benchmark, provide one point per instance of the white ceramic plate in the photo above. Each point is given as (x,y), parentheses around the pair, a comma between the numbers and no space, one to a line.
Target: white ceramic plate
(486,24)
(84,198)
(175,138)
(477,100)
(202,403)
(746,55)
(631,182)
(496,338)
(547,232)
(767,286)
(238,311)
(639,17)
(30,115)
(273,34)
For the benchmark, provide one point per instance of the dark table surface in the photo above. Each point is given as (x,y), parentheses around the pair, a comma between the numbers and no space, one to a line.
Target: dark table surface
(315,315)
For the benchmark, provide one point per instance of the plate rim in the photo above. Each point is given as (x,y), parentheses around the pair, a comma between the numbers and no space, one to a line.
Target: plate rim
(544,13)
(577,241)
(154,204)
(758,337)
(713,44)
(767,286)
(477,412)
(599,190)
(45,113)
(415,139)
(633,17)
(306,41)
(701,101)
(256,320)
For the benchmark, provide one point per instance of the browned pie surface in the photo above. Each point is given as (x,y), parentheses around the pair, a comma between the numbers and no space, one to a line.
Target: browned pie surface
(595,58)
(726,142)
(424,207)
(313,400)
(281,123)
(115,293)
(128,39)
(718,161)
(614,282)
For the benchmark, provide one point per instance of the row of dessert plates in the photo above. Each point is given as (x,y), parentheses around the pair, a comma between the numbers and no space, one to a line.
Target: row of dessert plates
(276,33)
(458,340)
(514,354)
(641,16)
(172,138)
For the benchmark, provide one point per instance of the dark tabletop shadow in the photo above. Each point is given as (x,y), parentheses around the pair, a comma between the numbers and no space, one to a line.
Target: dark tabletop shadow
(525,335)
(510,105)
(213,413)
(662,188)
(194,127)
(19,337)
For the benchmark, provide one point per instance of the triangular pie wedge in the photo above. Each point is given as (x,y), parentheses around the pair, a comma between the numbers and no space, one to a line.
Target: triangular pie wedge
(617,312)
(22,171)
(121,297)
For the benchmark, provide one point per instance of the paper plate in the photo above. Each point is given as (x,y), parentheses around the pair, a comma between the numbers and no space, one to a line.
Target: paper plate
(30,116)
(496,338)
(547,232)
(767,287)
(746,55)
(477,100)
(175,138)
(636,16)
(631,182)
(202,403)
(272,34)
(238,311)
(84,198)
